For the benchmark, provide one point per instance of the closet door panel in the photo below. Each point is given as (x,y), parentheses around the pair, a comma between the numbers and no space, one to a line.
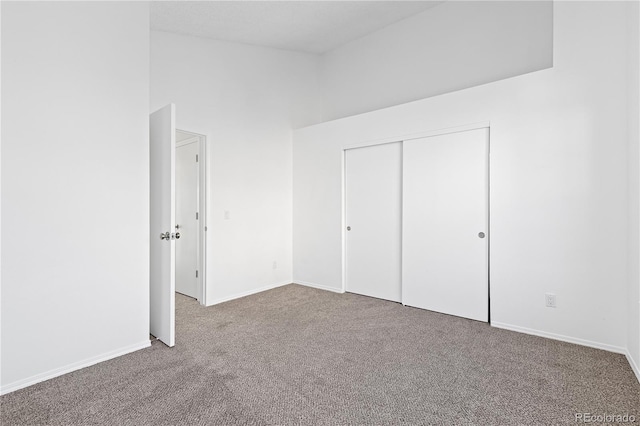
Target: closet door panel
(445,249)
(373,181)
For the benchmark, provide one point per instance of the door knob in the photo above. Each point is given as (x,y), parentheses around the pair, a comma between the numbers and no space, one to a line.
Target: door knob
(177,235)
(165,236)
(481,234)
(348,228)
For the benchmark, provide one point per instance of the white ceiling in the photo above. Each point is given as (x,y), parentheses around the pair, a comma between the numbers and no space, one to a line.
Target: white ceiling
(304,26)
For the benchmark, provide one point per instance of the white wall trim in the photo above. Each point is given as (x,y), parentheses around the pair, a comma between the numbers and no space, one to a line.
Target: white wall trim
(189,141)
(72,367)
(423,134)
(343,233)
(319,286)
(634,366)
(568,339)
(248,293)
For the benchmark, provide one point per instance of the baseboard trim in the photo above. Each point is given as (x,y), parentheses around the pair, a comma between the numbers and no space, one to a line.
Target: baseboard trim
(247,293)
(568,339)
(11,387)
(319,286)
(633,365)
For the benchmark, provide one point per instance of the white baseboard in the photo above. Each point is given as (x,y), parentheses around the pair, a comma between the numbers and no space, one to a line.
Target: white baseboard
(319,286)
(633,365)
(72,367)
(247,293)
(568,339)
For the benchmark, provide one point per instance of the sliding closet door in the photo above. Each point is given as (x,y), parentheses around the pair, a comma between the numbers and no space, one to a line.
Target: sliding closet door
(445,224)
(373,209)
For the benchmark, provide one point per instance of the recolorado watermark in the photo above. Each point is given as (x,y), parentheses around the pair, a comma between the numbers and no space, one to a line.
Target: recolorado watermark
(604,418)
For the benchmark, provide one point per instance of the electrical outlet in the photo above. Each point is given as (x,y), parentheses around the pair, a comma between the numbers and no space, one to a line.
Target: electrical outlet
(275,265)
(550,300)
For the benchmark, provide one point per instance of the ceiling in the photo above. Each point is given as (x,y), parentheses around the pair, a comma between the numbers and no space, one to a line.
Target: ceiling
(303,26)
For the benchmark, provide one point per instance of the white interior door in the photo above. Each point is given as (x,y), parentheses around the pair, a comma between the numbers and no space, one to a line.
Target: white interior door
(373,218)
(162,148)
(186,223)
(445,224)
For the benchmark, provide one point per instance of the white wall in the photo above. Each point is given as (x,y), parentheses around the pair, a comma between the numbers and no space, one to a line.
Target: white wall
(633,318)
(453,46)
(0,200)
(246,100)
(75,186)
(558,181)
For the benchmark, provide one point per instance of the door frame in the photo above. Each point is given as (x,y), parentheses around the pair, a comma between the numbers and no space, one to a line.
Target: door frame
(402,138)
(201,243)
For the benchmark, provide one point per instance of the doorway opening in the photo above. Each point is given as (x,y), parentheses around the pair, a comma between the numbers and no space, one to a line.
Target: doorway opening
(190,226)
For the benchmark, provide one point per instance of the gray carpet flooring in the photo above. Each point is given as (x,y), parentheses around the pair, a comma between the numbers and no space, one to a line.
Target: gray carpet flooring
(296,355)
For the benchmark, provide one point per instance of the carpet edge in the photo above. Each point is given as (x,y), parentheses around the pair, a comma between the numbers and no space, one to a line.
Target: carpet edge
(560,337)
(318,286)
(56,372)
(634,366)
(248,293)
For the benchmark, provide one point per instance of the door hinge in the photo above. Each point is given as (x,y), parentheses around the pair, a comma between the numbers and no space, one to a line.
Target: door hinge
(196,215)
(196,158)
(196,273)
